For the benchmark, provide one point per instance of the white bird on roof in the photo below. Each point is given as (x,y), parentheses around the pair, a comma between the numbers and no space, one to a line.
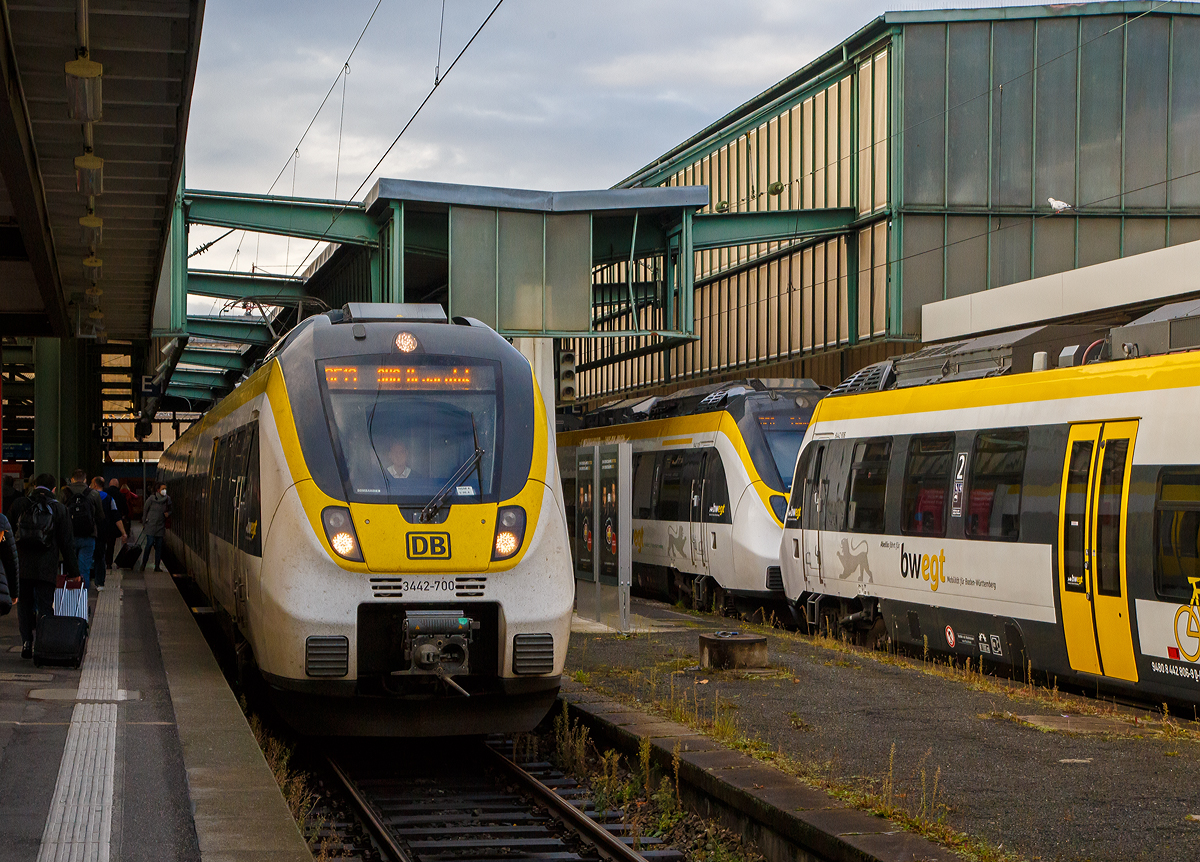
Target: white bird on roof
(1059,206)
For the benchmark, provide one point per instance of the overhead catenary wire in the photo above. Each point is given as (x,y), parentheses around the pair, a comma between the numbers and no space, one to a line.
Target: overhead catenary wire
(396,140)
(337,167)
(441,32)
(342,72)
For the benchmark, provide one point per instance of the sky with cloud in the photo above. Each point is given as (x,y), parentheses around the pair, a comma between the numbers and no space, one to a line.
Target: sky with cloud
(552,94)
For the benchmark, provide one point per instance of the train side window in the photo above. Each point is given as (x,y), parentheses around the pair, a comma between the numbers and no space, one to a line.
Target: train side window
(643,485)
(1079,471)
(868,486)
(716,492)
(1113,457)
(672,493)
(926,479)
(1177,534)
(814,499)
(994,489)
(691,486)
(218,488)
(249,526)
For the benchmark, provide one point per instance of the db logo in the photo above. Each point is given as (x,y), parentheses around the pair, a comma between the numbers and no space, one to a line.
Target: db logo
(428,546)
(950,636)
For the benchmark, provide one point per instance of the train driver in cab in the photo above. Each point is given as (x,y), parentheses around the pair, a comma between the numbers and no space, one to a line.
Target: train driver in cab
(397,466)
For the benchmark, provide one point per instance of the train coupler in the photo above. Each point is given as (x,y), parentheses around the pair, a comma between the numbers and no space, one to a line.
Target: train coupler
(438,643)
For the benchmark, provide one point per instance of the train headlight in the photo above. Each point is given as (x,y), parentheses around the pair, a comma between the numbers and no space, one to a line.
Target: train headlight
(406,342)
(510,532)
(343,543)
(339,532)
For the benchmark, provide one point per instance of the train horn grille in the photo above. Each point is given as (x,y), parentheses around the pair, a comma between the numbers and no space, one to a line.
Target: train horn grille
(533,653)
(465,587)
(327,656)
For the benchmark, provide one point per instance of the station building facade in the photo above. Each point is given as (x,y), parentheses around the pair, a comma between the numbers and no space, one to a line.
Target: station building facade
(932,142)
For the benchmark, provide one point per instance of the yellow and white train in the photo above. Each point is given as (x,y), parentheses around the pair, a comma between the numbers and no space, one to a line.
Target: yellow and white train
(711,473)
(1046,519)
(376,512)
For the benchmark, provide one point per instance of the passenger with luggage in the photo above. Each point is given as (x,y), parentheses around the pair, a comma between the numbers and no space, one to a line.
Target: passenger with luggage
(108,531)
(42,526)
(154,526)
(87,515)
(9,567)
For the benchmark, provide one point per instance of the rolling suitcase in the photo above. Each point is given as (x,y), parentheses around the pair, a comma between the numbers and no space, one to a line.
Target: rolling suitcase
(60,641)
(127,557)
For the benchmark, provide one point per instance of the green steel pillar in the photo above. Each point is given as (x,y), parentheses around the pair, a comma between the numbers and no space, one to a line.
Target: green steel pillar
(852,288)
(47,418)
(376,275)
(66,408)
(394,289)
(72,405)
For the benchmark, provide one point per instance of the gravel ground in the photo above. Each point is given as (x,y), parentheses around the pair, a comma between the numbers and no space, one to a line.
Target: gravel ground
(1045,795)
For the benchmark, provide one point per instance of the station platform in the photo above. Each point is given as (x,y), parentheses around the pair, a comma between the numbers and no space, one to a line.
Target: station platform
(142,753)
(985,765)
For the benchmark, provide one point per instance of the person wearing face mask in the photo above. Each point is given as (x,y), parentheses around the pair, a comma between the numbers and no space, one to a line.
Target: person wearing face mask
(154,526)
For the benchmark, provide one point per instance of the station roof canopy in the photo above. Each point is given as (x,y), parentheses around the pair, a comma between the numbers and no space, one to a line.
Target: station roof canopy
(658,201)
(148,50)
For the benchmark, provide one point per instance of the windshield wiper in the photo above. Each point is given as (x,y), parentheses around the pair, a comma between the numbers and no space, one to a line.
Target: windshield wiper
(435,505)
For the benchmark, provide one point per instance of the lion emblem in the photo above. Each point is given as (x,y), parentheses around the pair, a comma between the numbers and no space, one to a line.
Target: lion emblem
(855,561)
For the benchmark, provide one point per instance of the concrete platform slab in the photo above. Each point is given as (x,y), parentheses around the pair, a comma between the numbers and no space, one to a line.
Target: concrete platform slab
(95,762)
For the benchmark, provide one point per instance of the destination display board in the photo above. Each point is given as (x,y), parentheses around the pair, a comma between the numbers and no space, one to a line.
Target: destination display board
(410,378)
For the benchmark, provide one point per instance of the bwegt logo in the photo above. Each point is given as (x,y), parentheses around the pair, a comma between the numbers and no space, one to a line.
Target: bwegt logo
(929,567)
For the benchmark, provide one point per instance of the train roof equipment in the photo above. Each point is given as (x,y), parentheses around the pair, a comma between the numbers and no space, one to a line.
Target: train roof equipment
(700,399)
(1172,328)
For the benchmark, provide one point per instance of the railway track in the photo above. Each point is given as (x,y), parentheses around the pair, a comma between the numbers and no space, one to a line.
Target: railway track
(474,803)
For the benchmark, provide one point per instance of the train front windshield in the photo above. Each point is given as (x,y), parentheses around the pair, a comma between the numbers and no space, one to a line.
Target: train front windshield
(774,436)
(402,431)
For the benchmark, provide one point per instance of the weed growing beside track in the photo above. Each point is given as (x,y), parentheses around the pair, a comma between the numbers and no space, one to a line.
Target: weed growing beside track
(913,804)
(650,801)
(300,792)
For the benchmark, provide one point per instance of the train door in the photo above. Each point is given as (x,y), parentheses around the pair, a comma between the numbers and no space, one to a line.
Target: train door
(247,504)
(693,479)
(815,493)
(717,514)
(1092,567)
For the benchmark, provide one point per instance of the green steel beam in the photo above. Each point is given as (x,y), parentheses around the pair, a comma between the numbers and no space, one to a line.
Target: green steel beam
(193,393)
(229,329)
(729,229)
(307,218)
(207,379)
(231,285)
(611,237)
(222,359)
(619,292)
(16,356)
(669,342)
(15,391)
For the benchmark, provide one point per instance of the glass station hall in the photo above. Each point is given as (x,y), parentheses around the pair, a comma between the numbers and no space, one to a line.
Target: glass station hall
(913,164)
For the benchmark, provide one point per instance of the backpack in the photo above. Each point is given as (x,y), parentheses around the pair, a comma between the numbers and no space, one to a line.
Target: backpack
(83,519)
(36,524)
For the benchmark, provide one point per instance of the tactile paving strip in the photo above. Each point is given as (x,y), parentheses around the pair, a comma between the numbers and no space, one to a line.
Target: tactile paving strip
(79,827)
